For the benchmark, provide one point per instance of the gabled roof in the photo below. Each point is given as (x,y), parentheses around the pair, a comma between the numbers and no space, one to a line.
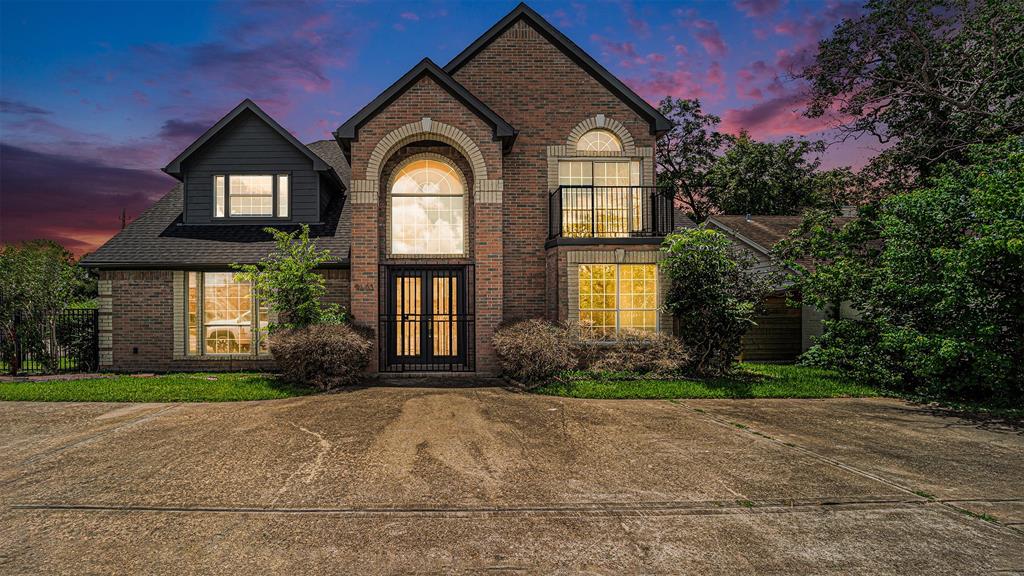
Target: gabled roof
(350,129)
(174,168)
(157,239)
(658,122)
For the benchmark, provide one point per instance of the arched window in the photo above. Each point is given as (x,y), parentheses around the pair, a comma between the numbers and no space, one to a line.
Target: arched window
(599,141)
(428,208)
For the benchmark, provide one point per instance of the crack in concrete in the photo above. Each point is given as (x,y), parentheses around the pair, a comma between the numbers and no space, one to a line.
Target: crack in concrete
(604,509)
(946,504)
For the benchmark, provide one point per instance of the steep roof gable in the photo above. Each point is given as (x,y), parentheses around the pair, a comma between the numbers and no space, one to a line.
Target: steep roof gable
(350,129)
(174,167)
(657,121)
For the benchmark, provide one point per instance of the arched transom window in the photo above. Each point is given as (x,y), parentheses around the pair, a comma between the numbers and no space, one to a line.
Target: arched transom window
(427,209)
(599,141)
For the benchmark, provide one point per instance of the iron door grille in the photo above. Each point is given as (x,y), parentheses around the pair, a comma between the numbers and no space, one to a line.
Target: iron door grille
(426,319)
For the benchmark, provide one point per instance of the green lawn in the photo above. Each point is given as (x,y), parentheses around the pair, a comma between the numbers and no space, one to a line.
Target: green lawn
(749,381)
(199,387)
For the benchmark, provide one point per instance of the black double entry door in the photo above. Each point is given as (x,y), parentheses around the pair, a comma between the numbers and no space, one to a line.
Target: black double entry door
(427,324)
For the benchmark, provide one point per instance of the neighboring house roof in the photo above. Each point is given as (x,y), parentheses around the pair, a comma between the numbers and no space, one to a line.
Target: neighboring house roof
(156,239)
(350,129)
(762,233)
(174,167)
(659,124)
(759,232)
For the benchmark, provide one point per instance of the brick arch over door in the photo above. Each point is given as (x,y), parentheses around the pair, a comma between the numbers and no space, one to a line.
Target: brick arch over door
(604,123)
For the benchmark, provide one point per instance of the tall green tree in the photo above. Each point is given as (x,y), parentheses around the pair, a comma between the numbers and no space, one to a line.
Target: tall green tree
(926,78)
(936,275)
(37,278)
(686,153)
(768,178)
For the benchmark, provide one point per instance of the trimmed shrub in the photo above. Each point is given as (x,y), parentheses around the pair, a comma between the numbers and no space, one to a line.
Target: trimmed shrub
(531,351)
(654,354)
(323,356)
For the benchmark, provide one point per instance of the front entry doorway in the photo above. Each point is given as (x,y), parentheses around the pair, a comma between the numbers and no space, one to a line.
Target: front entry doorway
(426,321)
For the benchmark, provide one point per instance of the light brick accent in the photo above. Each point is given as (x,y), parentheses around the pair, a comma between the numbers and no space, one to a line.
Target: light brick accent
(605,123)
(488,191)
(178,316)
(425,129)
(364,192)
(105,324)
(575,258)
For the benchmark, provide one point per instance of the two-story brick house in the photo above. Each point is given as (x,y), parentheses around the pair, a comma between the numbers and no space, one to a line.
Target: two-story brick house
(517,181)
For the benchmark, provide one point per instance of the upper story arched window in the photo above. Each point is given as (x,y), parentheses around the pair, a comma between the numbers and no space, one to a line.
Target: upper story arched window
(428,207)
(599,141)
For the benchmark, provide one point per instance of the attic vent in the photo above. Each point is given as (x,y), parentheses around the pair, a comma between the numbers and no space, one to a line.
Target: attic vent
(522,31)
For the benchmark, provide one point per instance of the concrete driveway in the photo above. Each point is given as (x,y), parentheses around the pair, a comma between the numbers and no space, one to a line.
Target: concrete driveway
(399,480)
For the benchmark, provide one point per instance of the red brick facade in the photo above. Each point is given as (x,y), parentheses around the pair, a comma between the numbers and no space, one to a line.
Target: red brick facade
(542,98)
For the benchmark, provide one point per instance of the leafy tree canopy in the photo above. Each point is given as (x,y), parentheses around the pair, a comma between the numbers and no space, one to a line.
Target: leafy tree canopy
(936,275)
(927,78)
(764,177)
(686,153)
(288,282)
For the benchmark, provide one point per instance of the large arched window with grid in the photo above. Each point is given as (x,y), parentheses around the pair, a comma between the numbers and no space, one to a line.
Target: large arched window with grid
(428,208)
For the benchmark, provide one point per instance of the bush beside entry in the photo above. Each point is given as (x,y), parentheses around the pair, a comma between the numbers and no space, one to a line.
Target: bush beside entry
(324,356)
(531,351)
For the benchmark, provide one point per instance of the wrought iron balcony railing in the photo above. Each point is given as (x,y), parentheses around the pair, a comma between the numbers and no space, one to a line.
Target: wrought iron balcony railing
(610,212)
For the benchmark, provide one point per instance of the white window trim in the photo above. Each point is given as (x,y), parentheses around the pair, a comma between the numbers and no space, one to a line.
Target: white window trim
(388,217)
(618,295)
(274,196)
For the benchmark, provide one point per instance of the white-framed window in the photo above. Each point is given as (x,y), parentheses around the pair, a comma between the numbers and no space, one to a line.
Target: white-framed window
(428,206)
(617,297)
(251,195)
(223,316)
(600,197)
(599,141)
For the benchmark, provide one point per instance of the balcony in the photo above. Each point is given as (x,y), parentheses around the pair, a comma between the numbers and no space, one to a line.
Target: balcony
(610,212)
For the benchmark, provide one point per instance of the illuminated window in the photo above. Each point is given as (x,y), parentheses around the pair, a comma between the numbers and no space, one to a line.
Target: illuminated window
(224,316)
(599,141)
(250,195)
(617,297)
(428,209)
(601,198)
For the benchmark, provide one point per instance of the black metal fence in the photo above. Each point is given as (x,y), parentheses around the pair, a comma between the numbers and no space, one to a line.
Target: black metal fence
(65,341)
(610,212)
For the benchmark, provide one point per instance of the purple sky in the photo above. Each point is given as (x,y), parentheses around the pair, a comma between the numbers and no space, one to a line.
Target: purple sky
(96,97)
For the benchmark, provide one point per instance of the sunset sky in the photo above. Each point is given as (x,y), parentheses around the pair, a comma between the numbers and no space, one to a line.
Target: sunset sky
(96,97)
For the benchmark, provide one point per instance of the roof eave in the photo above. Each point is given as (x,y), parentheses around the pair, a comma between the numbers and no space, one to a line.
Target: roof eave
(349,130)
(174,167)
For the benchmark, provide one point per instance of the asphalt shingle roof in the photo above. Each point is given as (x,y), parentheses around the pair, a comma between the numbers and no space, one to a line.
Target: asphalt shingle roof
(156,239)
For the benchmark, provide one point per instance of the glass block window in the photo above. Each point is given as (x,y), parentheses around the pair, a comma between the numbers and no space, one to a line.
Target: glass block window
(599,141)
(428,209)
(223,316)
(617,297)
(251,195)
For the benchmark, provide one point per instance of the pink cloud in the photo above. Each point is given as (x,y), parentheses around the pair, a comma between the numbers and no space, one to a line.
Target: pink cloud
(409,16)
(779,116)
(757,8)
(707,34)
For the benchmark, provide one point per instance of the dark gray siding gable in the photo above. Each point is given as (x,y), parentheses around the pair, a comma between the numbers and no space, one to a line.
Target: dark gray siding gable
(247,145)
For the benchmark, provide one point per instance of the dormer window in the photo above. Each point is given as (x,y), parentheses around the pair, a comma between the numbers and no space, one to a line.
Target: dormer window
(599,141)
(250,195)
